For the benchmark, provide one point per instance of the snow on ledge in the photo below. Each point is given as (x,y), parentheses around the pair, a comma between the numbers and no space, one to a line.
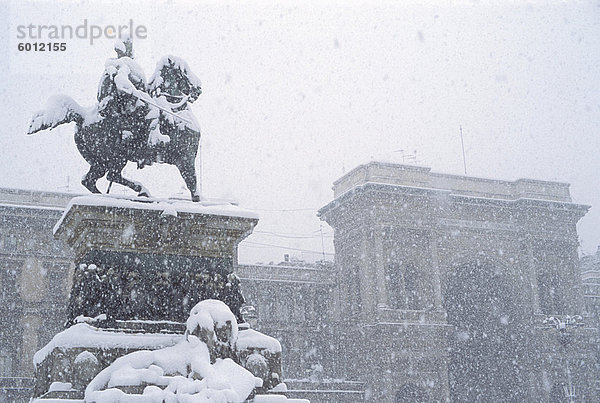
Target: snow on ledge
(277,399)
(250,338)
(86,336)
(168,206)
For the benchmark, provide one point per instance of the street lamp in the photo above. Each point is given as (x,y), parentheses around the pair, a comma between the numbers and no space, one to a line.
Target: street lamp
(562,325)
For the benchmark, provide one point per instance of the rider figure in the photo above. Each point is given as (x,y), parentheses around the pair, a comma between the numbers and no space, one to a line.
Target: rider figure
(125,112)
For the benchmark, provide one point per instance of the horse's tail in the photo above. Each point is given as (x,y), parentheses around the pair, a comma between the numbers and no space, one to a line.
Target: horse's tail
(59,109)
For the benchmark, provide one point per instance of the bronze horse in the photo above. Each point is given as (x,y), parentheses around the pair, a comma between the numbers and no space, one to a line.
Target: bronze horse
(132,124)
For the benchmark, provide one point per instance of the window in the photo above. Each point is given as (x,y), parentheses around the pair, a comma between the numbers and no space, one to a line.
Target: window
(395,286)
(403,286)
(5,364)
(57,283)
(10,243)
(8,281)
(411,287)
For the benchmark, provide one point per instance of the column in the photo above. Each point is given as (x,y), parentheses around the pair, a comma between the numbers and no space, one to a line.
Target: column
(365,274)
(533,281)
(435,271)
(382,298)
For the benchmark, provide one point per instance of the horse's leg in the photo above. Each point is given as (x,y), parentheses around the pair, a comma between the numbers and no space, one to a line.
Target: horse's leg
(115,176)
(89,180)
(188,173)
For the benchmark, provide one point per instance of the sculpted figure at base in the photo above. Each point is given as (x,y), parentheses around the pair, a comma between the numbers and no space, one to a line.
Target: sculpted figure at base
(134,120)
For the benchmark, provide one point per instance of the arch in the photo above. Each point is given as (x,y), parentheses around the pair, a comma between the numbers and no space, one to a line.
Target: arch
(411,393)
(557,393)
(501,264)
(489,334)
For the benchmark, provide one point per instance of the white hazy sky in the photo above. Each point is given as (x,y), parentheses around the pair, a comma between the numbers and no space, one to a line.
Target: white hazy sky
(296,95)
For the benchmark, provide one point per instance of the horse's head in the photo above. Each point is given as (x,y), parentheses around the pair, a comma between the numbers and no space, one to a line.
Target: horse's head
(174,79)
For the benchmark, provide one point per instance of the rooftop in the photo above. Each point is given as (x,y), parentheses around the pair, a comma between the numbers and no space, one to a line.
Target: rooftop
(35,198)
(422,177)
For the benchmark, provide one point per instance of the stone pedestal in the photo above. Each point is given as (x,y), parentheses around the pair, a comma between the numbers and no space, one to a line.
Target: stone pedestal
(139,260)
(140,266)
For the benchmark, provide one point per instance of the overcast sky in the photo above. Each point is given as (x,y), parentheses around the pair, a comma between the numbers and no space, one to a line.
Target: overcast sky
(294,96)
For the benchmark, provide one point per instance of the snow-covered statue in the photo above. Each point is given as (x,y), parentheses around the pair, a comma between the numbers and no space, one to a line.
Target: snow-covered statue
(203,367)
(124,116)
(134,120)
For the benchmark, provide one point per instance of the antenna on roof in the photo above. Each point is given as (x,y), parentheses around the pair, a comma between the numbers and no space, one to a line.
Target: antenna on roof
(67,187)
(322,241)
(408,158)
(462,143)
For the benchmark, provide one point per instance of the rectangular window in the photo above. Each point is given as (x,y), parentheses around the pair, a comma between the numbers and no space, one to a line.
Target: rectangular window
(57,283)
(5,364)
(10,243)
(8,282)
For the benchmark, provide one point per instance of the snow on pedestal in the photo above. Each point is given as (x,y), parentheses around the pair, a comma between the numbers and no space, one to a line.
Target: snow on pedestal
(152,259)
(184,372)
(142,267)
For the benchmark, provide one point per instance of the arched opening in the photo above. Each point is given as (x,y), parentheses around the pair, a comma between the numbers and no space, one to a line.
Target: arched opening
(411,393)
(557,393)
(486,347)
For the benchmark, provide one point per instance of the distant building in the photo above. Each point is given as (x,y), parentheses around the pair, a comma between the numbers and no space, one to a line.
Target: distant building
(34,277)
(443,283)
(291,299)
(430,270)
(590,276)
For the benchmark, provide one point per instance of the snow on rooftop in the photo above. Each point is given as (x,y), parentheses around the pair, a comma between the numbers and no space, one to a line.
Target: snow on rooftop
(166,206)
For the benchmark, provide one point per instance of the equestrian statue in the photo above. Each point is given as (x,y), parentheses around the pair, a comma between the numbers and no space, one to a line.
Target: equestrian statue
(134,120)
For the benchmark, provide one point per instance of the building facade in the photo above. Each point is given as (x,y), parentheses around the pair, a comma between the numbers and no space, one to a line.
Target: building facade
(36,271)
(439,292)
(590,276)
(34,283)
(446,281)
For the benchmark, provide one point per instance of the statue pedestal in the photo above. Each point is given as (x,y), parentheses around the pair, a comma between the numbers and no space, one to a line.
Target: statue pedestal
(140,260)
(140,266)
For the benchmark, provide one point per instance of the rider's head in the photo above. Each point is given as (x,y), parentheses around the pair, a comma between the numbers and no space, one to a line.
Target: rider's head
(124,47)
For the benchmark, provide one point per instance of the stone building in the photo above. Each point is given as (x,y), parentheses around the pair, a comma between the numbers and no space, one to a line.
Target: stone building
(443,283)
(34,273)
(291,301)
(440,285)
(590,276)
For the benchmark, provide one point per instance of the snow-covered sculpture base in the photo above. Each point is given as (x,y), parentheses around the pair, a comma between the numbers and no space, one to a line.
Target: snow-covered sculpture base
(201,365)
(141,267)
